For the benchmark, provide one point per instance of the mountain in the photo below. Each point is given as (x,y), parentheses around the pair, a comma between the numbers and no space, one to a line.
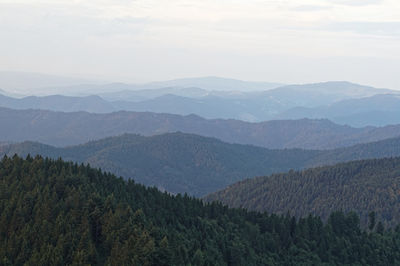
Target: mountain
(372,150)
(316,94)
(176,162)
(167,100)
(186,163)
(60,103)
(62,129)
(362,186)
(210,106)
(252,106)
(189,87)
(378,110)
(345,88)
(216,84)
(57,213)
(329,100)
(147,94)
(26,83)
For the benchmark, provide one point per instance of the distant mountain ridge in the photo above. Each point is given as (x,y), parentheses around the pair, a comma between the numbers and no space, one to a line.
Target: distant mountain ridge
(20,82)
(327,100)
(27,83)
(62,129)
(187,163)
(380,109)
(213,83)
(59,103)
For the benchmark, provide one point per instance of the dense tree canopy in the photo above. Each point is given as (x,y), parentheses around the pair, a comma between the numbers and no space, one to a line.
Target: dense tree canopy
(361,186)
(57,213)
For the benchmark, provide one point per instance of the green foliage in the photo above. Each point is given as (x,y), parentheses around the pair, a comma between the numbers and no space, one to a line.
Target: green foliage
(57,213)
(363,186)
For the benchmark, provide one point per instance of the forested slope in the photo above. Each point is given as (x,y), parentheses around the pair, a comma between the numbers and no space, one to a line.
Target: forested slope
(176,162)
(372,150)
(180,163)
(362,186)
(56,213)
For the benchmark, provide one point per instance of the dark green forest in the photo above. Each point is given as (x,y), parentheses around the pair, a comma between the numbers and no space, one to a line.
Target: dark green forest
(58,213)
(361,186)
(187,163)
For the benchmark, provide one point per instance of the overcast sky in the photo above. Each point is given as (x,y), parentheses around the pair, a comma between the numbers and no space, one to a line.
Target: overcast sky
(288,41)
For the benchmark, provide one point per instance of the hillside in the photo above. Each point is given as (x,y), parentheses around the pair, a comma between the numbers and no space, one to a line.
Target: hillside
(62,129)
(186,163)
(372,150)
(362,186)
(56,213)
(176,162)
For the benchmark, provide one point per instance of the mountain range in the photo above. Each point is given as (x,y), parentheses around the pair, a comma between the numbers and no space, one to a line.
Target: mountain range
(341,102)
(62,129)
(26,83)
(204,178)
(380,109)
(60,103)
(187,163)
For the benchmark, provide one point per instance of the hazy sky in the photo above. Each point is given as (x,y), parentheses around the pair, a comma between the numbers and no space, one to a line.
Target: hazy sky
(289,41)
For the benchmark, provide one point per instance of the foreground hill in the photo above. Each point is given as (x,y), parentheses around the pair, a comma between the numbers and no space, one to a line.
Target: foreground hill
(186,163)
(56,213)
(61,129)
(362,186)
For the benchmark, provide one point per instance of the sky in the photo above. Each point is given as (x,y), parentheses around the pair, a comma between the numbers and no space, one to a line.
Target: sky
(286,41)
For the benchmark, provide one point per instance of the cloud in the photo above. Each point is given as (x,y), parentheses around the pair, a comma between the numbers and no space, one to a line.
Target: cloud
(369,28)
(157,39)
(356,2)
(310,8)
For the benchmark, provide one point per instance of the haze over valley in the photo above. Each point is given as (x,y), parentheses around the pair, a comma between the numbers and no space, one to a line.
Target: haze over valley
(199,133)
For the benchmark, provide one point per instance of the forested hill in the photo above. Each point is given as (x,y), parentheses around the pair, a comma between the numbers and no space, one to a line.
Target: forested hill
(63,129)
(56,213)
(176,162)
(362,186)
(186,163)
(373,150)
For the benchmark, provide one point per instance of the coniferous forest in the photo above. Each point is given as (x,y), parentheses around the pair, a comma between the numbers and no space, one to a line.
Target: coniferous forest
(58,213)
(363,186)
(199,133)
